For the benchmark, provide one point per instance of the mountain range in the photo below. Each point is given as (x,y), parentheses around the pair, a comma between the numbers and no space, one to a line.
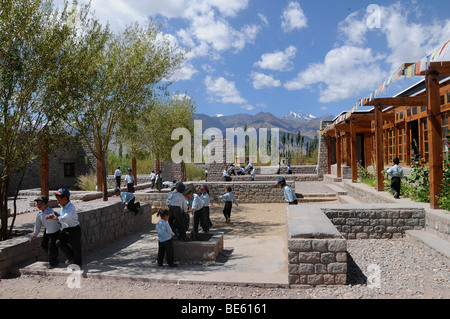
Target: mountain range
(293,122)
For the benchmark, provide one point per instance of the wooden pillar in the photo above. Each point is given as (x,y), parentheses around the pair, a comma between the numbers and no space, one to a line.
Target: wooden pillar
(353,162)
(379,147)
(328,154)
(338,154)
(45,189)
(434,137)
(99,177)
(134,169)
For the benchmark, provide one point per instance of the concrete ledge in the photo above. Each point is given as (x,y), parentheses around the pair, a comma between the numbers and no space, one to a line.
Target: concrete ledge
(310,222)
(199,250)
(438,247)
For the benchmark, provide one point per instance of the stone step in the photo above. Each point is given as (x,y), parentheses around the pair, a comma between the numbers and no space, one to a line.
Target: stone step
(336,188)
(311,195)
(347,199)
(316,199)
(331,178)
(439,247)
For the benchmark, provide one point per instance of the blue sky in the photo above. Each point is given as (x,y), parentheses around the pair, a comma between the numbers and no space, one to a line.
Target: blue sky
(310,57)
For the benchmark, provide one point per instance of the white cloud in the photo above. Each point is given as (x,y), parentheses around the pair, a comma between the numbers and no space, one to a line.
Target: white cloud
(248,107)
(278,61)
(222,90)
(353,29)
(293,17)
(346,72)
(261,81)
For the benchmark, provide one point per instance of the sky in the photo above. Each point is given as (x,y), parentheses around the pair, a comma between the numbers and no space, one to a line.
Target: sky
(311,57)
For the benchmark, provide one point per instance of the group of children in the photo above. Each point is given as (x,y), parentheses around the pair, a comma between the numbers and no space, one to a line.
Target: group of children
(175,219)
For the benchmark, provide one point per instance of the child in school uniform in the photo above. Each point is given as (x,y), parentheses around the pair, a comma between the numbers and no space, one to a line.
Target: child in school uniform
(196,208)
(165,239)
(204,195)
(289,194)
(229,199)
(51,232)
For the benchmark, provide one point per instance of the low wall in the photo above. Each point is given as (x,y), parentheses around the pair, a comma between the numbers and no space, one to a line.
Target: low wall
(101,223)
(375,220)
(268,178)
(245,192)
(316,250)
(317,236)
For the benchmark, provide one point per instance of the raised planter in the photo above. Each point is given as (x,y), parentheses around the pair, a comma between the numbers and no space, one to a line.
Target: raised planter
(199,250)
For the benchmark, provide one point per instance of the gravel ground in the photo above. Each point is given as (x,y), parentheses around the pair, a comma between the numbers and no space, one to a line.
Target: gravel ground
(406,272)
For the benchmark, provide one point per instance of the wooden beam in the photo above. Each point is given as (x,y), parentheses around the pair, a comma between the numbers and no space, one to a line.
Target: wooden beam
(353,162)
(434,138)
(134,169)
(443,68)
(338,154)
(399,101)
(328,154)
(379,147)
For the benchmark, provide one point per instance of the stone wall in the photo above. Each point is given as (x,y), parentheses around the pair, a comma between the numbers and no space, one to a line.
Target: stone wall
(375,221)
(316,250)
(322,161)
(101,224)
(245,192)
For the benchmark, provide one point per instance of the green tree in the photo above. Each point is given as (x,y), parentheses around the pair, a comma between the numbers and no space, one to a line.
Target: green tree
(150,131)
(36,46)
(128,69)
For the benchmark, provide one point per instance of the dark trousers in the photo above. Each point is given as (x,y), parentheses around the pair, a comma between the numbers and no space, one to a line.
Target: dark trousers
(395,185)
(295,202)
(134,207)
(70,243)
(130,187)
(227,210)
(165,248)
(153,183)
(118,178)
(176,221)
(208,219)
(200,218)
(49,245)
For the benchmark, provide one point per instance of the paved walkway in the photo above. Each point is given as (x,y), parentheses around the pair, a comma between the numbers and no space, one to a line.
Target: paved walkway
(258,261)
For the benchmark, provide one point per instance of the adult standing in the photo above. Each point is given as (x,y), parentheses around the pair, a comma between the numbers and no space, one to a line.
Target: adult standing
(118,176)
(69,240)
(177,211)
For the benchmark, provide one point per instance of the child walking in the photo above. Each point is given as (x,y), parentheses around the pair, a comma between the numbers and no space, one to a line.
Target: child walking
(165,239)
(51,232)
(396,173)
(229,199)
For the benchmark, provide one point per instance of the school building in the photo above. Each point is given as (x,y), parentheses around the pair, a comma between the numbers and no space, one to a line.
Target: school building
(414,122)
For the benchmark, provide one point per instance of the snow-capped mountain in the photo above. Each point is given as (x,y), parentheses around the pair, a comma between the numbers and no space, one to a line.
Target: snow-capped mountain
(298,117)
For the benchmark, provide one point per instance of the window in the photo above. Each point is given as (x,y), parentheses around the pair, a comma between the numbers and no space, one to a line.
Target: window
(69,169)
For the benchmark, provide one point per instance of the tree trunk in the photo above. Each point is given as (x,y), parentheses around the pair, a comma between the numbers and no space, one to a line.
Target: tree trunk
(4,208)
(104,180)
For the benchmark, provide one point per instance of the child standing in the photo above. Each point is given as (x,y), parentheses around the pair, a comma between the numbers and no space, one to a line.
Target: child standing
(196,208)
(289,194)
(204,195)
(165,239)
(51,231)
(229,199)
(129,181)
(396,173)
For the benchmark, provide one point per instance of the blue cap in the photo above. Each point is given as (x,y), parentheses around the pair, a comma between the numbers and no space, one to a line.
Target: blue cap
(281,179)
(180,187)
(42,199)
(63,192)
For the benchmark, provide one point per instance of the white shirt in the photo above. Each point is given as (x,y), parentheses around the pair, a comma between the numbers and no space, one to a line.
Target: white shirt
(118,172)
(196,202)
(229,197)
(51,226)
(68,216)
(206,199)
(177,199)
(129,178)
